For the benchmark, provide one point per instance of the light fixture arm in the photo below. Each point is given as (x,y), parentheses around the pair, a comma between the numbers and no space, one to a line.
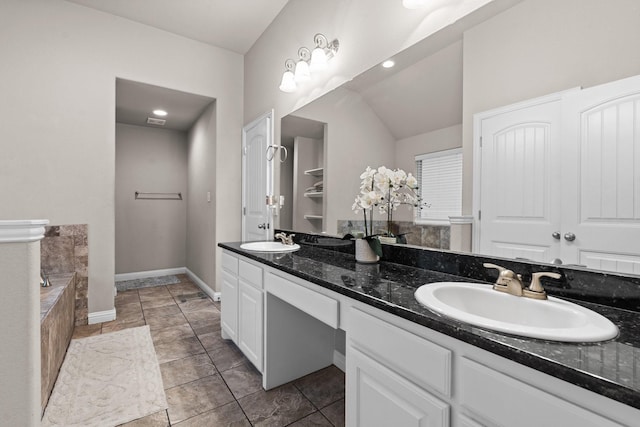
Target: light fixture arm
(331,48)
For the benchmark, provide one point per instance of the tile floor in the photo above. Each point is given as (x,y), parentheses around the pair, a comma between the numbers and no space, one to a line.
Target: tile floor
(207,380)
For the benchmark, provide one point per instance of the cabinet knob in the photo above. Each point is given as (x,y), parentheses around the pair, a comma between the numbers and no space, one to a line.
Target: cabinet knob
(556,235)
(569,237)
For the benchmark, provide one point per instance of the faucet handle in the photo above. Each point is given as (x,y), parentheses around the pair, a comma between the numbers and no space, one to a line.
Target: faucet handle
(535,285)
(497,267)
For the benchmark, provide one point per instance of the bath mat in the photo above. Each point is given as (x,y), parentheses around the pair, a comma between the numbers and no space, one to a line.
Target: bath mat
(147,282)
(107,380)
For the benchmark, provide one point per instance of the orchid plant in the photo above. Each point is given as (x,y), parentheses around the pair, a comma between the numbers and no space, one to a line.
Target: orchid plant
(385,190)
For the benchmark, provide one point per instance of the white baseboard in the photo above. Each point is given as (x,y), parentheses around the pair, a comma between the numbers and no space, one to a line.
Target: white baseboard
(102,316)
(202,285)
(339,360)
(151,273)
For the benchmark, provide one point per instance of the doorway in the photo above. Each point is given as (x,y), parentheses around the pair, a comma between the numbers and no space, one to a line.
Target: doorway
(164,181)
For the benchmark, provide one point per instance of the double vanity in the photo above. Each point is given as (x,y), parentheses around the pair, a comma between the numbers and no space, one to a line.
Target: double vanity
(407,364)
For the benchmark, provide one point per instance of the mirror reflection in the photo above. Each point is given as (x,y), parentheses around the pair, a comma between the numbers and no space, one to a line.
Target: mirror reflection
(426,104)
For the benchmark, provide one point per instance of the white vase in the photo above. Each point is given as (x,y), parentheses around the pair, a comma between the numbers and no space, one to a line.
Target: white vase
(364,253)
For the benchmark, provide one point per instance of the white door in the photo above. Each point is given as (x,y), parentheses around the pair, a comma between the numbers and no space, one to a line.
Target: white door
(601,177)
(519,194)
(257,179)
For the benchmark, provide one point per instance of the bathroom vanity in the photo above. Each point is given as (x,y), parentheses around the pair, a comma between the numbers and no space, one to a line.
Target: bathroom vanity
(407,365)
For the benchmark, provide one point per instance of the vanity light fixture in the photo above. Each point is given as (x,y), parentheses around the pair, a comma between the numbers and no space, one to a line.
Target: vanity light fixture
(160,113)
(388,63)
(308,62)
(288,83)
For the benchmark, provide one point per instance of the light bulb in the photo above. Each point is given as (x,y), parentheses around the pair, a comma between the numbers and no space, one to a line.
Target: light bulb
(288,83)
(318,60)
(302,73)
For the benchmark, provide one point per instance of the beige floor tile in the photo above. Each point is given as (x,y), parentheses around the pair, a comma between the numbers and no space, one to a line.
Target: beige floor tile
(183,288)
(229,415)
(162,311)
(322,387)
(212,340)
(87,331)
(335,413)
(227,356)
(313,420)
(162,301)
(188,400)
(195,304)
(118,325)
(187,369)
(172,333)
(174,350)
(153,292)
(243,380)
(278,407)
(159,419)
(161,322)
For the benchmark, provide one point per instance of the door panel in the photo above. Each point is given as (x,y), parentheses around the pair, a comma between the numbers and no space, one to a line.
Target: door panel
(520,183)
(601,185)
(257,178)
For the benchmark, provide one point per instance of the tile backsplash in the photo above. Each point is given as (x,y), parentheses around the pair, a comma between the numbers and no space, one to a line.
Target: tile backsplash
(430,236)
(65,249)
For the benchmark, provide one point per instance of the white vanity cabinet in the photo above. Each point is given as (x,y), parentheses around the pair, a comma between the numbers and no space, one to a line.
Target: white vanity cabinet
(242,306)
(402,374)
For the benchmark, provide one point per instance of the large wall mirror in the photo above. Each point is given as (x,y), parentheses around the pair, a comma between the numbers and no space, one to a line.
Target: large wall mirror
(427,101)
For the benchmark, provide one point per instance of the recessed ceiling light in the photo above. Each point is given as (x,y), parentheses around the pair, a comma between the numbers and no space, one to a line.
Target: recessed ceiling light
(388,63)
(160,113)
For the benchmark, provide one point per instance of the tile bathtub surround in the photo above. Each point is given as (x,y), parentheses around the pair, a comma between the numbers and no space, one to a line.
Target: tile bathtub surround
(56,327)
(207,380)
(65,249)
(609,368)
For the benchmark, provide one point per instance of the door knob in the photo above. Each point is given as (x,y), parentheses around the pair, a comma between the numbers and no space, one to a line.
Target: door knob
(556,235)
(569,237)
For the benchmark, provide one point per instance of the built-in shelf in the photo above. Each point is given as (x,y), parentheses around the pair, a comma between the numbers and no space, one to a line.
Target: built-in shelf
(310,216)
(315,172)
(314,194)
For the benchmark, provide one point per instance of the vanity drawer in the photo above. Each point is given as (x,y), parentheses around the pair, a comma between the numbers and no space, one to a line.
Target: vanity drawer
(503,400)
(230,263)
(250,273)
(313,303)
(415,358)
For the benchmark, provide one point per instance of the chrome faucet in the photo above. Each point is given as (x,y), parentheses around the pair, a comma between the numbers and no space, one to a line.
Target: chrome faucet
(511,283)
(286,240)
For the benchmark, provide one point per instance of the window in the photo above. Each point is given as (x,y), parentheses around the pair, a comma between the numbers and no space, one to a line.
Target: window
(440,185)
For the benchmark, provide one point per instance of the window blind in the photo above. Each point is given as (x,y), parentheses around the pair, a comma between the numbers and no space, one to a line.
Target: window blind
(440,185)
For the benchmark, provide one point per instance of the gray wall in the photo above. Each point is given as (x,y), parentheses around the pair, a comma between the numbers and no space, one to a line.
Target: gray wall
(201,214)
(150,234)
(59,67)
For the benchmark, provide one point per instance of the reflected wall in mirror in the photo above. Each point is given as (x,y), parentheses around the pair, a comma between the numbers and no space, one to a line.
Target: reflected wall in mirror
(427,102)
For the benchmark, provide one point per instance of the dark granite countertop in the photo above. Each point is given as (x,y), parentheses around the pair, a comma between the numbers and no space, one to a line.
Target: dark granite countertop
(610,368)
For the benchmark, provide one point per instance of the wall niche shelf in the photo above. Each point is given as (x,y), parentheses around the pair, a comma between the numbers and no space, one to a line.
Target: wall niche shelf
(314,194)
(314,172)
(312,217)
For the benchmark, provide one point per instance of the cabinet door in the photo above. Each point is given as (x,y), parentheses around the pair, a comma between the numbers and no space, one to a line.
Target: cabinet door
(229,306)
(250,323)
(377,396)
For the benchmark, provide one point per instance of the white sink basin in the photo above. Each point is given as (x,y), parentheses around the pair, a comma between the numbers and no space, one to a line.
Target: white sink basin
(553,319)
(269,247)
